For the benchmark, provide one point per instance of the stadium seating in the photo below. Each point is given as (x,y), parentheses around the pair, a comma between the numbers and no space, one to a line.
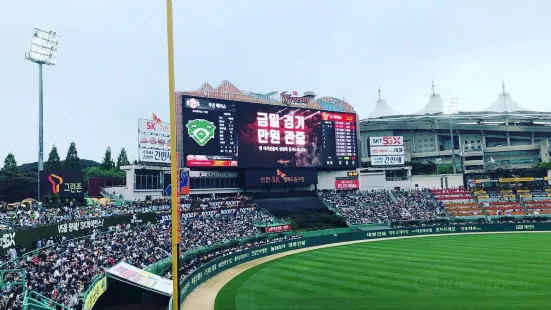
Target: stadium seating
(458,202)
(536,207)
(372,207)
(504,208)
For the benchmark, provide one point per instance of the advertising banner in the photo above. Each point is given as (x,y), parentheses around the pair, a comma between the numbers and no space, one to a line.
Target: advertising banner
(154,141)
(387,160)
(279,228)
(539,194)
(94,293)
(347,184)
(386,141)
(223,133)
(386,150)
(154,156)
(284,177)
(62,183)
(147,280)
(153,127)
(525,179)
(213,174)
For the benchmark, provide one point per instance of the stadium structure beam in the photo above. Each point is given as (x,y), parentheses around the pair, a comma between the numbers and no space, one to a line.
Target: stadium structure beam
(174,162)
(43,51)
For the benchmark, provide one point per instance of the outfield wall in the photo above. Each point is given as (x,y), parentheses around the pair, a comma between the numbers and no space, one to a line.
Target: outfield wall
(215,267)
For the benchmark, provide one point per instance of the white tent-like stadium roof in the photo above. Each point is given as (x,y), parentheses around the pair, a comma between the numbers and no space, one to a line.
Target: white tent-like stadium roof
(382,109)
(435,105)
(504,103)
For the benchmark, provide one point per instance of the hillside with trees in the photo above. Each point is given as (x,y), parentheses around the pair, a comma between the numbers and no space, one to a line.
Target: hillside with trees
(18,182)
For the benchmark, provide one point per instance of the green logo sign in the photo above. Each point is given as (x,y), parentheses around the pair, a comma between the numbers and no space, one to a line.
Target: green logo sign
(201,131)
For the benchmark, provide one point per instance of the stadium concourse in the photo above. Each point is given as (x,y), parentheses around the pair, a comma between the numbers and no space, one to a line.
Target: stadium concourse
(63,268)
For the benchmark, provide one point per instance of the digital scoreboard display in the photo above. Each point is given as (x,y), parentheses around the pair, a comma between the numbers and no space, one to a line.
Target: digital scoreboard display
(210,139)
(247,135)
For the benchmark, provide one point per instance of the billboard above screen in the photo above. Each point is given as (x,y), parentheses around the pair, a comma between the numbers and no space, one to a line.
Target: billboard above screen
(222,133)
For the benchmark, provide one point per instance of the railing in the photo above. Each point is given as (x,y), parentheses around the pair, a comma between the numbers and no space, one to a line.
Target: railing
(33,299)
(106,194)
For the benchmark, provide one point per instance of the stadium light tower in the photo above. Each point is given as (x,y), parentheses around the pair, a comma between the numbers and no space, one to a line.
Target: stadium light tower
(43,51)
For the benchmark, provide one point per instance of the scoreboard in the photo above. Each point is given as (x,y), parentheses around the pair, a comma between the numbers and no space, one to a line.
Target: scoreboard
(223,133)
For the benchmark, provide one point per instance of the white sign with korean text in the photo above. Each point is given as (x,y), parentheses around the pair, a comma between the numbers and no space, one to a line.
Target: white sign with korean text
(386,141)
(387,160)
(142,278)
(153,127)
(153,156)
(386,150)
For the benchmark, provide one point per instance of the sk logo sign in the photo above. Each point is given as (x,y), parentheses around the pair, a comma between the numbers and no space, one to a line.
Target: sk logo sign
(201,131)
(55,185)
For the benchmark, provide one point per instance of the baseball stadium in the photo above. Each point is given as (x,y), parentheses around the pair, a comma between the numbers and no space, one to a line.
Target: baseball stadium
(286,205)
(276,198)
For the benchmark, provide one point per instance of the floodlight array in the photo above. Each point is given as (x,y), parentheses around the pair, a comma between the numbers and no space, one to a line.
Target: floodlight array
(44,45)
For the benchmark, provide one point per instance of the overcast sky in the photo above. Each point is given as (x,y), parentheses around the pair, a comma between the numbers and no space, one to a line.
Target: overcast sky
(112,64)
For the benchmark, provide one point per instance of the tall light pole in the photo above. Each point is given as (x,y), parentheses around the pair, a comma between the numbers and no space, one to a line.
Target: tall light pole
(43,51)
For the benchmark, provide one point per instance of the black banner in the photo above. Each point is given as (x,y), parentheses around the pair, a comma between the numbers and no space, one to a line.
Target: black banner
(28,237)
(62,183)
(284,177)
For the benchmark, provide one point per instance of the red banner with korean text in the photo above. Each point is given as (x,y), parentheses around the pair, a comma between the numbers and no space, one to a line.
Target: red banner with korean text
(347,184)
(279,228)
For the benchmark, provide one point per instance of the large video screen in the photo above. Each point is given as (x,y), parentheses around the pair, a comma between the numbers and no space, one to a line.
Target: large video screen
(247,135)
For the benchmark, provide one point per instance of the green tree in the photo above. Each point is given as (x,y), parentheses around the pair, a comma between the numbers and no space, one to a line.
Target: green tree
(543,166)
(53,162)
(72,161)
(10,164)
(445,169)
(107,163)
(122,160)
(18,186)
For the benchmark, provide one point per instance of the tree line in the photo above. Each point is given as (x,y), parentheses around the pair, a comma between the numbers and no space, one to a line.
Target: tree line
(20,182)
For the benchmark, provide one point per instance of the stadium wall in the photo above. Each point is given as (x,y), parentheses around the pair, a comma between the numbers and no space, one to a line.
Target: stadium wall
(215,267)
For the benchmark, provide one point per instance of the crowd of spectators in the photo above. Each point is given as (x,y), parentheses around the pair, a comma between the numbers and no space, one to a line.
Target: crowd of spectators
(419,204)
(30,214)
(364,207)
(64,268)
(369,207)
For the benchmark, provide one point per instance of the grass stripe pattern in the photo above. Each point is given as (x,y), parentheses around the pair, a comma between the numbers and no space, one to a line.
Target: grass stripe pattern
(490,271)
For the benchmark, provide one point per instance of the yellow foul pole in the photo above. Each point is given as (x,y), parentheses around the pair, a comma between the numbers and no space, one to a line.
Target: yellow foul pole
(174,161)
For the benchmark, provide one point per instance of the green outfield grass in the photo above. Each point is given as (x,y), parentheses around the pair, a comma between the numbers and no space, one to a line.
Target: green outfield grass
(495,271)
